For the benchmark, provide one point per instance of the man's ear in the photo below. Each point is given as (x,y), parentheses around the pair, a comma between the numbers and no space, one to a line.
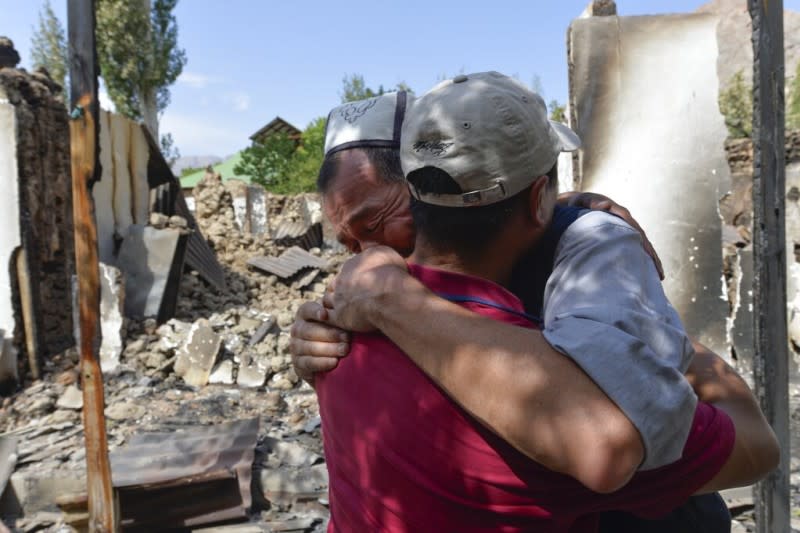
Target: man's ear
(538,204)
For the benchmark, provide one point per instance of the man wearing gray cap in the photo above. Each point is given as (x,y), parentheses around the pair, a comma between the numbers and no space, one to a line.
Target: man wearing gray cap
(479,156)
(367,200)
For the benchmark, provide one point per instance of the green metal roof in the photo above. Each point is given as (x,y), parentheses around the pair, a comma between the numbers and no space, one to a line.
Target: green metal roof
(225,168)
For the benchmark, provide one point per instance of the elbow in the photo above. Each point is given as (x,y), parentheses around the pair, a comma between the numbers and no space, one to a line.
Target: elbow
(769,456)
(613,463)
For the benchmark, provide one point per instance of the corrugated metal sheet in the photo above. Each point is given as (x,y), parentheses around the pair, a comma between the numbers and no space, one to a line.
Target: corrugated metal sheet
(200,256)
(203,453)
(289,263)
(297,233)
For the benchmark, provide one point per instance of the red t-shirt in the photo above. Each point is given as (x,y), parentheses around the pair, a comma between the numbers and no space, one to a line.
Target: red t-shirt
(403,457)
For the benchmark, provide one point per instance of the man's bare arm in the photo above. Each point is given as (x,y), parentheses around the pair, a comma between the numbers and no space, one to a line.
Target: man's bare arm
(468,355)
(755,451)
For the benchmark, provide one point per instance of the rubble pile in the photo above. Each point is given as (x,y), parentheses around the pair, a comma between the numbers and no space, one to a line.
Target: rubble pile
(223,357)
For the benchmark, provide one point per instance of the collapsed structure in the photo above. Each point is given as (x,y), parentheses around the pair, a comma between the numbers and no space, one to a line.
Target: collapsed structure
(197,305)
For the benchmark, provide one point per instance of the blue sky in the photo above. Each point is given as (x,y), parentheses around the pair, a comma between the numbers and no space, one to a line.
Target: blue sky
(254,59)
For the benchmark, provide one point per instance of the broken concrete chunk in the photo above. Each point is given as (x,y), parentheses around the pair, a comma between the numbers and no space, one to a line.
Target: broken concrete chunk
(71,399)
(252,372)
(112,305)
(176,221)
(197,355)
(222,374)
(125,411)
(288,481)
(159,220)
(290,453)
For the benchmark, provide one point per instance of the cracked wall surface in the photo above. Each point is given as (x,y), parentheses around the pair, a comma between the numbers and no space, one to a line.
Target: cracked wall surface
(643,98)
(42,215)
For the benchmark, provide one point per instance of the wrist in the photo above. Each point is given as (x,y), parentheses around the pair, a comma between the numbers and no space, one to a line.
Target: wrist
(392,300)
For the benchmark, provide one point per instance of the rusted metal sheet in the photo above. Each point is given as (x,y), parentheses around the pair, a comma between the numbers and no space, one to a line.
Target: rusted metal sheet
(289,263)
(152,458)
(201,475)
(298,233)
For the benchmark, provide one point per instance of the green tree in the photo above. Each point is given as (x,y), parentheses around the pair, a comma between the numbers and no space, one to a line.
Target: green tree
(49,47)
(266,162)
(169,150)
(283,166)
(558,112)
(354,88)
(793,101)
(736,105)
(137,48)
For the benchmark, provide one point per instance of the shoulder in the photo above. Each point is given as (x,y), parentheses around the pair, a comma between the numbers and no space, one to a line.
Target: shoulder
(597,224)
(597,232)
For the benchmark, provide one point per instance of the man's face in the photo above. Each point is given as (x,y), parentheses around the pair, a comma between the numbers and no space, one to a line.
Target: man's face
(365,209)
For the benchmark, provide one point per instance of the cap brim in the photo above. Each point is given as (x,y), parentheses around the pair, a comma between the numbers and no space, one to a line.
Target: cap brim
(569,139)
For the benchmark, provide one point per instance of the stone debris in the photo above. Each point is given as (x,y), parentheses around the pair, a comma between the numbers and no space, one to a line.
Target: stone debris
(112,310)
(198,354)
(72,398)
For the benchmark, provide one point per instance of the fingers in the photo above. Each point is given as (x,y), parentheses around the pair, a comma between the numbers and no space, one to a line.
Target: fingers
(318,332)
(327,302)
(311,311)
(305,366)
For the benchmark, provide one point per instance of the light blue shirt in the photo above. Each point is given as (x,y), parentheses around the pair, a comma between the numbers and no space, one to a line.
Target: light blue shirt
(605,308)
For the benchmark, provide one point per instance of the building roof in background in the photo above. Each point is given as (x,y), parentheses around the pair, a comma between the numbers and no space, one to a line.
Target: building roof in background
(225,169)
(276,125)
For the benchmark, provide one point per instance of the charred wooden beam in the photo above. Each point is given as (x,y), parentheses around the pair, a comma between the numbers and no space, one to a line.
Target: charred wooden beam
(771,361)
(85,171)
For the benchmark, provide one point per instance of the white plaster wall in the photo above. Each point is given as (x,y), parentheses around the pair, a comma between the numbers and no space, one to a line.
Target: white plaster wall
(139,156)
(645,94)
(9,207)
(103,193)
(123,195)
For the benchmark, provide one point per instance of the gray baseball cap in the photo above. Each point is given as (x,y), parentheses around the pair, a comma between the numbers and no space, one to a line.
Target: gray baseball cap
(488,131)
(374,122)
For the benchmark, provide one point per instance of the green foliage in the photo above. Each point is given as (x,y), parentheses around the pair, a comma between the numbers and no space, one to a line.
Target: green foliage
(282,166)
(558,112)
(793,102)
(191,170)
(354,88)
(49,47)
(736,105)
(139,56)
(168,149)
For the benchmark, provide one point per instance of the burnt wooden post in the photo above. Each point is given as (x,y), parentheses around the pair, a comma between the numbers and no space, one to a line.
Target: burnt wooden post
(83,129)
(771,361)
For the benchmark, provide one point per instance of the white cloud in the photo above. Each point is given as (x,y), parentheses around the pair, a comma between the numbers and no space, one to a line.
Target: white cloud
(196,80)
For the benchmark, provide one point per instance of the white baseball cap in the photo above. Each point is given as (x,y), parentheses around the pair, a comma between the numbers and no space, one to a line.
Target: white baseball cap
(488,131)
(374,122)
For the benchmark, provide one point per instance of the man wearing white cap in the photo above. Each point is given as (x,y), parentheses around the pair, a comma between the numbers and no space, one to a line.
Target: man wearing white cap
(367,199)
(479,156)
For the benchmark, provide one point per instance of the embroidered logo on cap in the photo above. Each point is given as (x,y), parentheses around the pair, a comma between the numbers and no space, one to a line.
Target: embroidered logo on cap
(434,147)
(352,112)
